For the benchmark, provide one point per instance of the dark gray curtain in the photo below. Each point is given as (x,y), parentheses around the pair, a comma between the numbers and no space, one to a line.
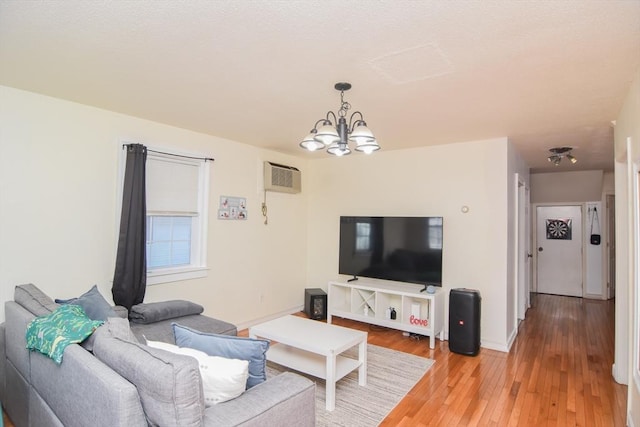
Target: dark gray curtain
(130,277)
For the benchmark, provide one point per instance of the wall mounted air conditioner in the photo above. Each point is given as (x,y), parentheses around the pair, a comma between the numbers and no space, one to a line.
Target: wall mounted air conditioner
(281,178)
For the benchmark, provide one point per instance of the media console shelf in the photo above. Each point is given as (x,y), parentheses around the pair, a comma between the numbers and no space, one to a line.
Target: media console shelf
(417,312)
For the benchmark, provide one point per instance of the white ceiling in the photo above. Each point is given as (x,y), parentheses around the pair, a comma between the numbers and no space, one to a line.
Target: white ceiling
(543,73)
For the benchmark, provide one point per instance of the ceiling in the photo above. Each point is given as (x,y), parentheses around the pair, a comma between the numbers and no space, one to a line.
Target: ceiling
(542,73)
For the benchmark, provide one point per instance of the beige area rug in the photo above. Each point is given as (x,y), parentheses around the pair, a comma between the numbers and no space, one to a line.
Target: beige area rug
(390,376)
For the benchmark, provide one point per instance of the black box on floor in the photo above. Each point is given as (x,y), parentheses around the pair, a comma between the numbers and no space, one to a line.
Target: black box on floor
(464,321)
(315,303)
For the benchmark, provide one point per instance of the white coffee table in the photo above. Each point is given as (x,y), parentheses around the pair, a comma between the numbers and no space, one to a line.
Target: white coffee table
(315,348)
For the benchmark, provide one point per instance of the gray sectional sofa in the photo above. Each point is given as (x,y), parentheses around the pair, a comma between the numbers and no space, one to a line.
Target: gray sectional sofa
(114,380)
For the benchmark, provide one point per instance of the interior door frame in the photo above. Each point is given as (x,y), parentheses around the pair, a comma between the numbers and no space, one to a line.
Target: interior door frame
(535,245)
(610,280)
(523,249)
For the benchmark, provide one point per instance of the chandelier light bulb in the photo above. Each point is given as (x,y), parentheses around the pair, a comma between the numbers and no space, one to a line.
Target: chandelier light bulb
(338,149)
(310,143)
(327,135)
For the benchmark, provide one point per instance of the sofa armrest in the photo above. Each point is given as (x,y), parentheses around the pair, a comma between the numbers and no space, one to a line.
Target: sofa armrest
(285,400)
(82,391)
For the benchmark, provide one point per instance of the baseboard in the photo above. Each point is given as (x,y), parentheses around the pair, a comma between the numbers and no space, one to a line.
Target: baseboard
(494,346)
(512,338)
(483,344)
(250,323)
(617,377)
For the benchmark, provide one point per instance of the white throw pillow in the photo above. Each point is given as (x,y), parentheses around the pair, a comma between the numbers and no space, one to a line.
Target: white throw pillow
(222,379)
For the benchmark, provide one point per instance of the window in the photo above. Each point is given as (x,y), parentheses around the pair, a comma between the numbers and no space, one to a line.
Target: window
(434,231)
(363,237)
(177,199)
(168,241)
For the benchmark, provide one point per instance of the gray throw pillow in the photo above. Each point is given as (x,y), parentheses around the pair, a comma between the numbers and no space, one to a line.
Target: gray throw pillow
(231,347)
(33,299)
(93,303)
(157,311)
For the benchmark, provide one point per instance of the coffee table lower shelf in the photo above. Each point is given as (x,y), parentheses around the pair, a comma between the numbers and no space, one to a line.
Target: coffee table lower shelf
(309,363)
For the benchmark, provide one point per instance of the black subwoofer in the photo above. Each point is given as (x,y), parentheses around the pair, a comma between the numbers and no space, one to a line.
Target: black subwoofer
(464,321)
(315,303)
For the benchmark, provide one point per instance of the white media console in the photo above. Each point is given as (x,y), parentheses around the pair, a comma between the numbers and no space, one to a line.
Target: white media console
(417,312)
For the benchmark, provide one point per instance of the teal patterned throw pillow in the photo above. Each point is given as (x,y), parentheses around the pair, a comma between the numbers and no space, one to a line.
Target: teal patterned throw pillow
(52,333)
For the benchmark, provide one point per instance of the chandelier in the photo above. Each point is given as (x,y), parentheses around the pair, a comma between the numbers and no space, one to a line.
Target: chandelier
(558,153)
(336,134)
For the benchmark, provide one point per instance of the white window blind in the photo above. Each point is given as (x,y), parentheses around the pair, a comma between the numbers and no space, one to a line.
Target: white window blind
(172,186)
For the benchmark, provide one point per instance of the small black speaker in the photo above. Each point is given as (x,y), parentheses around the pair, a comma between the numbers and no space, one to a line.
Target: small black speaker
(315,303)
(464,321)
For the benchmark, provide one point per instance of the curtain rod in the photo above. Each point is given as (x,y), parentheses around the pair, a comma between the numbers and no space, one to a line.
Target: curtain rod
(206,159)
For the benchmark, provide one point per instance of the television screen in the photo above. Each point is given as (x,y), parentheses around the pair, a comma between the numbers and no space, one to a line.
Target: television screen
(403,249)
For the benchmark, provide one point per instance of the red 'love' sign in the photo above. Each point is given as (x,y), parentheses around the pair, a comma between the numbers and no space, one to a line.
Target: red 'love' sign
(415,321)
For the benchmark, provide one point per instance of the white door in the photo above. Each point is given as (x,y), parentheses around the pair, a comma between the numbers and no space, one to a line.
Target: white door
(559,247)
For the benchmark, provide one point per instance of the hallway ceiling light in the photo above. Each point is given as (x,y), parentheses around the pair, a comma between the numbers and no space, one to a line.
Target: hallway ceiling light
(558,153)
(337,134)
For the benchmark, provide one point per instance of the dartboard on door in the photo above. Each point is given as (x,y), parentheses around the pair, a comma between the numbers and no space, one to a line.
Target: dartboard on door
(559,229)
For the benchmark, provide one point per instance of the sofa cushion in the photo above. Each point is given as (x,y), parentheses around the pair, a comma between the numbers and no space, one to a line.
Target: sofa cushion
(52,333)
(169,385)
(93,303)
(252,350)
(157,311)
(287,399)
(33,299)
(222,379)
(163,331)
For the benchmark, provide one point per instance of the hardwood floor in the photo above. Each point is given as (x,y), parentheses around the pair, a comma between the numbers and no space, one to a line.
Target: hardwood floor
(558,373)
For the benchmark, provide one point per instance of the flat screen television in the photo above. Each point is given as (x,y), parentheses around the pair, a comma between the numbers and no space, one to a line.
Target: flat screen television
(403,249)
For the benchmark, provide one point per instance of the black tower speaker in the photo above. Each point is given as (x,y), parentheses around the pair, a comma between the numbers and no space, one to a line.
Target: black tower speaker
(464,321)
(315,303)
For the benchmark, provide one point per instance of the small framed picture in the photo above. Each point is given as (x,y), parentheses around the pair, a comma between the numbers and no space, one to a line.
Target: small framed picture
(232,208)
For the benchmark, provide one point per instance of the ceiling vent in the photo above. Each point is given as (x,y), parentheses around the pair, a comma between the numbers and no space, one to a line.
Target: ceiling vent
(281,178)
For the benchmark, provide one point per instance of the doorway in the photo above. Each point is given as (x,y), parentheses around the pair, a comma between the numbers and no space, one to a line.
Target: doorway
(559,250)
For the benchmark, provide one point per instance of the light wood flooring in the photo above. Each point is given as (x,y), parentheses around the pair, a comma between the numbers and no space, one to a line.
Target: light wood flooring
(558,373)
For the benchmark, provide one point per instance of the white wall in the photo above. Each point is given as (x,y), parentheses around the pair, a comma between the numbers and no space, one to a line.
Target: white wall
(594,254)
(429,181)
(567,187)
(627,154)
(58,186)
